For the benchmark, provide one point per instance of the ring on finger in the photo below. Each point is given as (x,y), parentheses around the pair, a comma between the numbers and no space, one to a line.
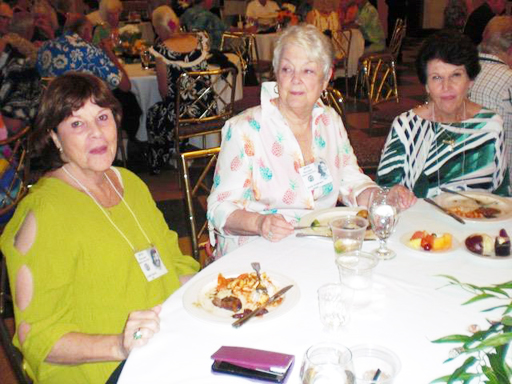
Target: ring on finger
(137,334)
(270,235)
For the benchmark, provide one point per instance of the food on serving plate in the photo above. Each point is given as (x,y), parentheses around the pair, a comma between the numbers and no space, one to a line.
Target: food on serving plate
(486,245)
(502,244)
(239,294)
(430,241)
(475,213)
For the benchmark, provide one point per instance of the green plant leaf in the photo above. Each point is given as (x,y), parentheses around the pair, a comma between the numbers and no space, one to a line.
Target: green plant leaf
(507,320)
(461,372)
(494,341)
(478,298)
(453,339)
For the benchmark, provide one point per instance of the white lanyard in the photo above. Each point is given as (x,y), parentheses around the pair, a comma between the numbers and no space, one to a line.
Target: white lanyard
(103,210)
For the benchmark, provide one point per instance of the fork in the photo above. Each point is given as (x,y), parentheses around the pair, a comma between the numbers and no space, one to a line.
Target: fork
(479,202)
(260,287)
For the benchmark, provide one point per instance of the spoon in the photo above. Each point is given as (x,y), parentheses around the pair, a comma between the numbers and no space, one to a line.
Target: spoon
(260,287)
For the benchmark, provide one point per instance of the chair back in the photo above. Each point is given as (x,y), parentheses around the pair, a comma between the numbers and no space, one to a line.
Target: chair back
(13,354)
(342,41)
(204,101)
(334,99)
(397,38)
(237,43)
(197,188)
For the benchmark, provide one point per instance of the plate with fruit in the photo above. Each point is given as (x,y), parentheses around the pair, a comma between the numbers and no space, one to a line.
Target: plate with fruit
(317,222)
(430,242)
(490,246)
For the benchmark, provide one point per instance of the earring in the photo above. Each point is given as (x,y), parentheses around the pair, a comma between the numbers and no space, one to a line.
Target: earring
(324,94)
(276,89)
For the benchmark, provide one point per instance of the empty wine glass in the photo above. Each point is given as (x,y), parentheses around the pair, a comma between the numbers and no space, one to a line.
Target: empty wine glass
(383,215)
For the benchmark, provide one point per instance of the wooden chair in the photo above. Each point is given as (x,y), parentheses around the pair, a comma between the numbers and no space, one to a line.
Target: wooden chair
(334,98)
(197,189)
(376,76)
(204,101)
(342,41)
(13,354)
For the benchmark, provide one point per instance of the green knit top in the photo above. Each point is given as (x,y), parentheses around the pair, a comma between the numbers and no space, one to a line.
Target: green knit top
(85,275)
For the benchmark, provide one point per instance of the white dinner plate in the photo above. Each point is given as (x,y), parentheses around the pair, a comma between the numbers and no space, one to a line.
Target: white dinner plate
(325,216)
(404,239)
(198,304)
(450,200)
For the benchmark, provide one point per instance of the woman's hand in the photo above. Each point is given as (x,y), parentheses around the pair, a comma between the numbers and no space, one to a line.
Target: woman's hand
(139,328)
(404,197)
(274,227)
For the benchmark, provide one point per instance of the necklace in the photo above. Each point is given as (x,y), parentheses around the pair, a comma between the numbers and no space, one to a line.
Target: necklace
(451,142)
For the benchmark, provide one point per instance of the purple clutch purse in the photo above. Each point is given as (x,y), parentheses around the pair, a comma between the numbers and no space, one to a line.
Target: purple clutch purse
(255,363)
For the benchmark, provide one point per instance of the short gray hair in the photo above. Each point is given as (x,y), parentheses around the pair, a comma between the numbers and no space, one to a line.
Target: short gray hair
(497,36)
(162,15)
(316,45)
(109,5)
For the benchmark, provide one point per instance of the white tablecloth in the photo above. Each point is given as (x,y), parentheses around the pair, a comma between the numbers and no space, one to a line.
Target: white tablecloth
(145,89)
(265,43)
(411,307)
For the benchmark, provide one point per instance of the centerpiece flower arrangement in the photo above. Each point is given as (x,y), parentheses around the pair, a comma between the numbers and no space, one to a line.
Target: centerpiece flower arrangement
(131,42)
(488,358)
(286,17)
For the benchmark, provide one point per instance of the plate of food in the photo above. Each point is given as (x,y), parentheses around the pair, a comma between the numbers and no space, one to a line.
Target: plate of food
(488,246)
(224,297)
(317,222)
(432,243)
(492,208)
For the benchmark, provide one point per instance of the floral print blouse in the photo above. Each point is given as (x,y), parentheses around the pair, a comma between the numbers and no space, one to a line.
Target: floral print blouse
(259,162)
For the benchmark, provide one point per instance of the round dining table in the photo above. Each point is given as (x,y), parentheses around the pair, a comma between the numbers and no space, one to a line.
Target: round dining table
(411,305)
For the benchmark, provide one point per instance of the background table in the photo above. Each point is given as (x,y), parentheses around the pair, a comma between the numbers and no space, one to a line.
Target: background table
(411,307)
(145,28)
(145,89)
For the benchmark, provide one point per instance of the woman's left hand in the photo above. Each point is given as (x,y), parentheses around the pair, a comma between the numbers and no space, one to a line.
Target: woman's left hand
(139,328)
(404,197)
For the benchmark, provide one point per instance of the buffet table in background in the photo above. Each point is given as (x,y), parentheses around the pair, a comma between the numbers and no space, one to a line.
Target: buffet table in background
(145,89)
(411,306)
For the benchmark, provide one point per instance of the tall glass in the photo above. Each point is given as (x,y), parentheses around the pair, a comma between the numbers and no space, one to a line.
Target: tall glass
(383,214)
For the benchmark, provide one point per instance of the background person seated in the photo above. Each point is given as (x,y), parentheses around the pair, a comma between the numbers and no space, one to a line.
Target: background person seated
(198,18)
(258,9)
(480,16)
(369,23)
(449,141)
(493,85)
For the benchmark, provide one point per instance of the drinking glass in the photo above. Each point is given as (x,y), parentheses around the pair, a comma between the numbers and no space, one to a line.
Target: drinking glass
(383,215)
(327,363)
(348,233)
(334,302)
(145,59)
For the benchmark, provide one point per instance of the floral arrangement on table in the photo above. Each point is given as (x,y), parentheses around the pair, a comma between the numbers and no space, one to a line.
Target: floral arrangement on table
(488,353)
(286,17)
(131,42)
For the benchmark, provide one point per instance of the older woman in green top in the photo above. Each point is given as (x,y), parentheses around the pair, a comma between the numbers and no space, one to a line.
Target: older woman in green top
(90,258)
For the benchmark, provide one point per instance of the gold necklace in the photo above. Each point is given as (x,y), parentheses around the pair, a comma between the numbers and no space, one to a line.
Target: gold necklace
(450,141)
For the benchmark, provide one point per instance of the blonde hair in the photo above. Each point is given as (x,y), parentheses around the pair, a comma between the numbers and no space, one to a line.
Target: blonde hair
(497,36)
(109,6)
(161,17)
(317,46)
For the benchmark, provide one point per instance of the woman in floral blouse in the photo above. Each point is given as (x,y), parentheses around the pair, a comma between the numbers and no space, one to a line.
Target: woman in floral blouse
(267,174)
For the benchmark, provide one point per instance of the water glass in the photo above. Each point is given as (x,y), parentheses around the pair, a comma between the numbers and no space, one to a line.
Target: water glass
(383,214)
(334,304)
(145,59)
(348,233)
(327,363)
(356,272)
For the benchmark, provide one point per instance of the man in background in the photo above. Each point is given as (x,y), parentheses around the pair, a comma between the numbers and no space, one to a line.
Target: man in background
(479,18)
(493,86)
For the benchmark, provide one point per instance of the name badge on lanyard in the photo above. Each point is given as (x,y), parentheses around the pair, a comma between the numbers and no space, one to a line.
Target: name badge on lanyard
(315,175)
(151,263)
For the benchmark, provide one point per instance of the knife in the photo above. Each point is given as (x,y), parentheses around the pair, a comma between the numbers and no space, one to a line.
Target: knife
(309,227)
(258,310)
(430,201)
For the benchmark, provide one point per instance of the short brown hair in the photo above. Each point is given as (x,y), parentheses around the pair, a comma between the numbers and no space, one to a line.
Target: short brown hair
(65,95)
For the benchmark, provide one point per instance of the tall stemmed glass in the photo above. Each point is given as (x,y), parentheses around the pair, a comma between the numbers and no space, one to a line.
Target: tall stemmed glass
(383,213)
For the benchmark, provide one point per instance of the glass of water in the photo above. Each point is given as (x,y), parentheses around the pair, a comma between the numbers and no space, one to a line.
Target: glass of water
(383,214)
(145,59)
(334,304)
(327,363)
